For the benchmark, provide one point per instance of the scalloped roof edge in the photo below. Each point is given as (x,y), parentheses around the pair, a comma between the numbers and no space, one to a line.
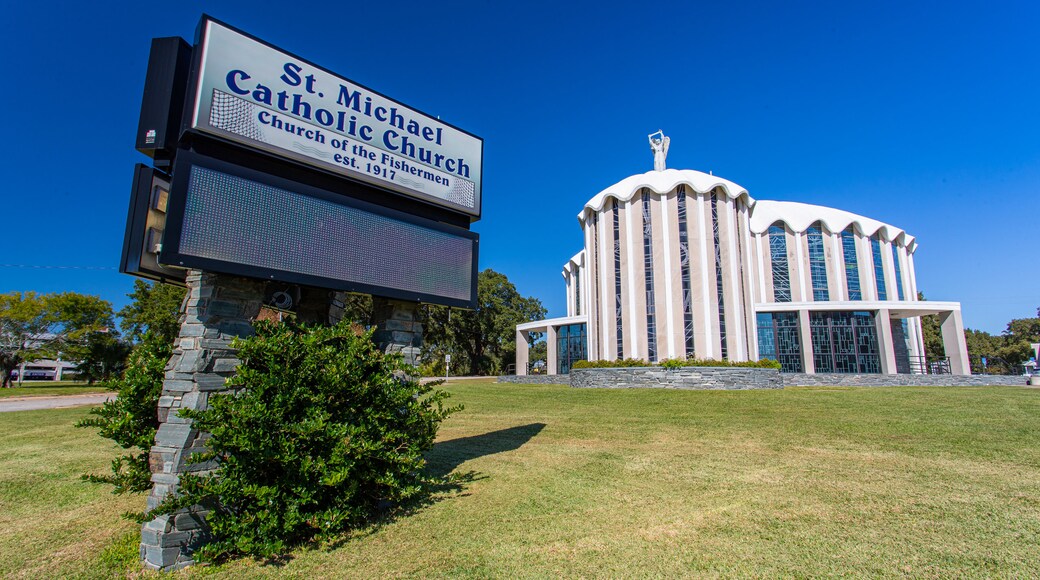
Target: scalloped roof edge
(663,182)
(800,216)
(572,265)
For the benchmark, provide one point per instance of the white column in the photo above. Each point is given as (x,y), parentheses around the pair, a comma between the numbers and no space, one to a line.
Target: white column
(522,353)
(664,233)
(956,347)
(886,347)
(604,270)
(865,258)
(765,273)
(836,283)
(805,338)
(912,276)
(736,321)
(801,262)
(631,219)
(706,340)
(550,350)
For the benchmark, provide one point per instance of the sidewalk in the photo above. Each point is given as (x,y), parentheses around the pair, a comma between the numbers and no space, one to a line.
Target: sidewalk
(36,403)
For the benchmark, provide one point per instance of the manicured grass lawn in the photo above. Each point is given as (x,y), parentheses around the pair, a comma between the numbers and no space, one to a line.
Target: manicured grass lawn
(50,389)
(51,523)
(566,482)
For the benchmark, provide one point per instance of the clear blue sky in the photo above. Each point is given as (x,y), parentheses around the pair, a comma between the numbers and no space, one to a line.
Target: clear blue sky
(925,116)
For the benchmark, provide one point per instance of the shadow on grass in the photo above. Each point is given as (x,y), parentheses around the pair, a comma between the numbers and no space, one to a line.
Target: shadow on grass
(447,456)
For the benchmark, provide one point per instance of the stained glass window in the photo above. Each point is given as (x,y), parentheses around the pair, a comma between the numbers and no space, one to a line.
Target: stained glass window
(848,246)
(778,339)
(844,342)
(617,279)
(879,269)
(778,257)
(718,274)
(899,271)
(817,263)
(648,267)
(684,259)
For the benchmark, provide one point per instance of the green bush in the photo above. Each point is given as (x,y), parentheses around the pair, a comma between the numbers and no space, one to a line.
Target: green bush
(697,362)
(131,419)
(320,433)
(608,364)
(674,363)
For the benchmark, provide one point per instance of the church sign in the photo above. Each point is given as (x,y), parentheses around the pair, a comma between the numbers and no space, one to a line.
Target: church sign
(255,94)
(268,166)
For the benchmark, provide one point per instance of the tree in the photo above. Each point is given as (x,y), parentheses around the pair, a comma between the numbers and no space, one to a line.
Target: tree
(481,341)
(36,326)
(931,333)
(539,352)
(153,308)
(357,308)
(105,357)
(131,419)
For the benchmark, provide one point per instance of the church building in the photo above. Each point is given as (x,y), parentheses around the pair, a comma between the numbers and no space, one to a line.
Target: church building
(682,264)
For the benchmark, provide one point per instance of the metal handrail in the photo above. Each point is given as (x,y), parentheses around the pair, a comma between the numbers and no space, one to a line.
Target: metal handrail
(925,365)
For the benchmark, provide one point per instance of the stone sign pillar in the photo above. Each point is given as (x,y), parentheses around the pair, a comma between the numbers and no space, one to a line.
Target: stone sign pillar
(217,309)
(397,327)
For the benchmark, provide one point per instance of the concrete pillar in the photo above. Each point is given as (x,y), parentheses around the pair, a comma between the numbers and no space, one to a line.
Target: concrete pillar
(956,347)
(886,348)
(550,350)
(58,370)
(397,328)
(523,350)
(805,340)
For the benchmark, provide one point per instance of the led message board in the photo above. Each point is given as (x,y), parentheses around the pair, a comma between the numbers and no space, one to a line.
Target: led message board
(227,218)
(256,95)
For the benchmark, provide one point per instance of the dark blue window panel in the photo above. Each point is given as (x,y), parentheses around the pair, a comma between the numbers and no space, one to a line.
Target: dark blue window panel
(879,269)
(778,258)
(817,264)
(779,340)
(848,246)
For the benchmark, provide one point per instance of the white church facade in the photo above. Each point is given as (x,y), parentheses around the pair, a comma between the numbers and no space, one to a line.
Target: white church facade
(682,264)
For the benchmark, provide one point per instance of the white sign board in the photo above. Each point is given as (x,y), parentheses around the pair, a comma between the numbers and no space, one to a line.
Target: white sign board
(257,95)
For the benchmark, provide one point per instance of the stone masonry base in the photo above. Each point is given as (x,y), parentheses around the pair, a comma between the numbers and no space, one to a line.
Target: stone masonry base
(703,378)
(217,309)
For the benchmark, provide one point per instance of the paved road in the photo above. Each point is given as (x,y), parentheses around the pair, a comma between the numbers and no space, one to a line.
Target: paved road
(34,403)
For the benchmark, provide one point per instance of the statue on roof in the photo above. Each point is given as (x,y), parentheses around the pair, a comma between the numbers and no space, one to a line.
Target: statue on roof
(659,145)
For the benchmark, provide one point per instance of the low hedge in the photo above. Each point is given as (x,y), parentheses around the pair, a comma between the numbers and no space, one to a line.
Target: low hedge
(675,363)
(609,364)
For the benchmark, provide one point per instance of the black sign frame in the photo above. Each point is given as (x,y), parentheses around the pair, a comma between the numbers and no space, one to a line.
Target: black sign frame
(172,256)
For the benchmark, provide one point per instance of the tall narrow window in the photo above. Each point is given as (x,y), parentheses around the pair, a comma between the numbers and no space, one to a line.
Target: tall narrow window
(577,291)
(718,274)
(648,267)
(684,260)
(879,269)
(899,272)
(848,247)
(594,274)
(778,257)
(817,263)
(617,279)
